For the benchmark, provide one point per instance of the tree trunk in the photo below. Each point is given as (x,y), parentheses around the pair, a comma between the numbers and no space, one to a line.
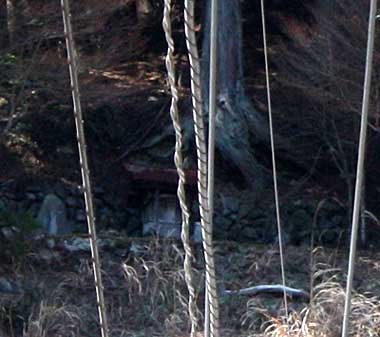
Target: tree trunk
(4,37)
(17,16)
(239,126)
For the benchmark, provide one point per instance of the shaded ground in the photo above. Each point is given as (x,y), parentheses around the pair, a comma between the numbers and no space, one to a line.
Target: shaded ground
(145,290)
(122,77)
(124,94)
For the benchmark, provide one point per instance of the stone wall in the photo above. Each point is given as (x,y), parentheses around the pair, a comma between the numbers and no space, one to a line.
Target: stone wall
(111,210)
(238,214)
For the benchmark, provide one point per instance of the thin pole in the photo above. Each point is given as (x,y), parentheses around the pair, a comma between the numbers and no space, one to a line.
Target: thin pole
(211,314)
(207,312)
(360,165)
(200,139)
(212,105)
(276,198)
(72,62)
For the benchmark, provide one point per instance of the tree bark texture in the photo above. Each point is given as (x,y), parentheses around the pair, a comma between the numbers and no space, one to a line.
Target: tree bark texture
(4,37)
(239,126)
(18,14)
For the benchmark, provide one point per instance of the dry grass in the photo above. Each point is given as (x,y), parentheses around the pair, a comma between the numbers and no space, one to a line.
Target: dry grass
(324,315)
(156,281)
(53,319)
(146,295)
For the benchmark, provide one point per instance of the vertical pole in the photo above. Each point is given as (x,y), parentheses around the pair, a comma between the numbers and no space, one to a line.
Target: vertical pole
(360,165)
(84,165)
(212,107)
(274,168)
(211,142)
(210,286)
(207,313)
(363,219)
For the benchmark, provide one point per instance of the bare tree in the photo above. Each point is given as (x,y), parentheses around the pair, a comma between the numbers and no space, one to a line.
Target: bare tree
(239,126)
(324,72)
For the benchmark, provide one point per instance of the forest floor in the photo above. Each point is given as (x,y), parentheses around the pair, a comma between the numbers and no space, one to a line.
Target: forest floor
(146,293)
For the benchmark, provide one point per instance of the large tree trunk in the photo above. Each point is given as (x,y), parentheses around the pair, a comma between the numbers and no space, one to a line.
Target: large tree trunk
(18,15)
(4,37)
(239,126)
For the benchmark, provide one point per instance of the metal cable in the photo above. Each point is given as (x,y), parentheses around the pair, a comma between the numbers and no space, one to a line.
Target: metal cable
(360,165)
(276,197)
(178,160)
(211,298)
(72,62)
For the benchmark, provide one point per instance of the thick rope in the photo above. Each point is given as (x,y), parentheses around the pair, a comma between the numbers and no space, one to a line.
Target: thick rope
(276,197)
(360,165)
(178,160)
(72,62)
(211,298)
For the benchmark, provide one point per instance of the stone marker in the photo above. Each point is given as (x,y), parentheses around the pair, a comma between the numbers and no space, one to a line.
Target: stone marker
(9,287)
(197,234)
(162,216)
(52,216)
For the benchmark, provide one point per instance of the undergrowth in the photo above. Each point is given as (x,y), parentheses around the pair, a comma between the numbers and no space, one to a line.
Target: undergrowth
(323,316)
(16,229)
(146,294)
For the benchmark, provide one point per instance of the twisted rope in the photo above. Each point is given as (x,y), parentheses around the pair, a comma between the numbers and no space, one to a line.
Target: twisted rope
(276,197)
(360,164)
(72,62)
(178,160)
(212,304)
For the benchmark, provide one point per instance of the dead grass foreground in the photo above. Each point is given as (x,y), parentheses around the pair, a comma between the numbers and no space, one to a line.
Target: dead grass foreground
(146,294)
(323,316)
